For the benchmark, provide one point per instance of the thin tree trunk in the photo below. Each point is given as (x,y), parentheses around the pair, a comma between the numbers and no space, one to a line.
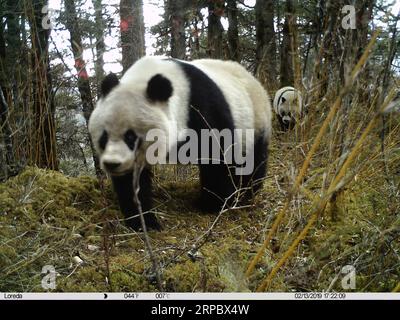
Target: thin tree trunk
(195,44)
(100,45)
(5,129)
(364,13)
(266,41)
(215,29)
(72,25)
(13,52)
(326,50)
(385,86)
(2,51)
(44,153)
(132,32)
(287,70)
(10,165)
(176,15)
(233,30)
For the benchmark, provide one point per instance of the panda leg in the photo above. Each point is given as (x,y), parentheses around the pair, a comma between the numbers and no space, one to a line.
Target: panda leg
(253,182)
(216,187)
(123,186)
(260,164)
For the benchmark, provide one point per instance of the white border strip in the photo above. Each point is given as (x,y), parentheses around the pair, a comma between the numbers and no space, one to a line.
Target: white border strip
(200,296)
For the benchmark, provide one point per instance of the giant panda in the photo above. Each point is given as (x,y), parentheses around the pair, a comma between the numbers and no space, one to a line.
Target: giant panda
(173,96)
(288,107)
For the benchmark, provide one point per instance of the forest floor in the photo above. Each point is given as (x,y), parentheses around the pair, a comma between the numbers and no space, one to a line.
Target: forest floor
(47,218)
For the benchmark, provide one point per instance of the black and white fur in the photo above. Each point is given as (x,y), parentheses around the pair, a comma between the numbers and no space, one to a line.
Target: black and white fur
(288,107)
(173,95)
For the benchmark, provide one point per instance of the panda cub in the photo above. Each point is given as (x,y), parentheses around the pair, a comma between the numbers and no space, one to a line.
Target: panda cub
(173,97)
(288,107)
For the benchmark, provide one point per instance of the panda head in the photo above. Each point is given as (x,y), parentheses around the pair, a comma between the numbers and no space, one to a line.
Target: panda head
(122,117)
(288,105)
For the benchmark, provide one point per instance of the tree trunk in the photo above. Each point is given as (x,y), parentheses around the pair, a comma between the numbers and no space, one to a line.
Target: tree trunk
(100,46)
(132,32)
(194,44)
(13,79)
(72,25)
(43,153)
(327,58)
(287,70)
(9,167)
(363,17)
(13,51)
(5,129)
(233,31)
(2,50)
(356,40)
(215,29)
(176,16)
(266,42)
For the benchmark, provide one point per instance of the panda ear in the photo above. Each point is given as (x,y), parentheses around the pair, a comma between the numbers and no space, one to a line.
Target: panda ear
(109,83)
(159,88)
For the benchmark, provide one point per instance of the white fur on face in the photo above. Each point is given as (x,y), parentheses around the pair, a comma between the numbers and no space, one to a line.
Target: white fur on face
(175,111)
(127,107)
(116,114)
(118,152)
(293,101)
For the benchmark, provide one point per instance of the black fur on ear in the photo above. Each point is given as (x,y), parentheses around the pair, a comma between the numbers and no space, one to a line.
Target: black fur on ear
(109,83)
(159,88)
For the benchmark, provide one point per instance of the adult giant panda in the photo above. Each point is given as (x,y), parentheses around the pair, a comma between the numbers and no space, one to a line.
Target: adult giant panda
(288,107)
(174,96)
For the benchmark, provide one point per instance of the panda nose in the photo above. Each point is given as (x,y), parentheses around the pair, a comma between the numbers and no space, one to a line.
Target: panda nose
(112,165)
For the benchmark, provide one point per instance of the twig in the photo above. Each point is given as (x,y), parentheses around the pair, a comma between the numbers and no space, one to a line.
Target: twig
(136,187)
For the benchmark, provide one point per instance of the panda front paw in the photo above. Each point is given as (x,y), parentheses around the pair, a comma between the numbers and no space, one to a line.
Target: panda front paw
(150,221)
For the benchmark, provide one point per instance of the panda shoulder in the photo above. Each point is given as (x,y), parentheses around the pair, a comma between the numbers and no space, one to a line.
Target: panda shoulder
(230,66)
(142,66)
(140,73)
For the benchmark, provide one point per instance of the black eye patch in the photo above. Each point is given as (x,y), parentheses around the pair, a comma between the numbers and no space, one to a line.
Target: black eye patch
(103,140)
(130,138)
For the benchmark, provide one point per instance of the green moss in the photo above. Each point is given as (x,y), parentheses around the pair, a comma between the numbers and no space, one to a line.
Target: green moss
(125,281)
(363,238)
(85,279)
(183,277)
(41,214)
